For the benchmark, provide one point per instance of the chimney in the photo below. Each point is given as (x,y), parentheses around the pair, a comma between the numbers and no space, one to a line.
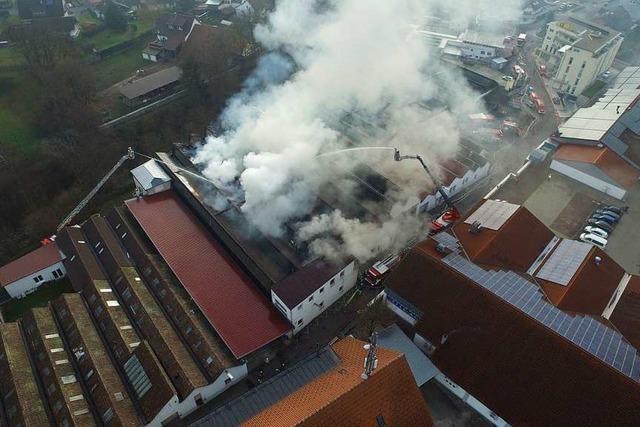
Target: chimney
(371,359)
(475,228)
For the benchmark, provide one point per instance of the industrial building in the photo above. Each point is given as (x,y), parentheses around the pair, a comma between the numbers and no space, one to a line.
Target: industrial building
(327,388)
(600,144)
(547,353)
(577,52)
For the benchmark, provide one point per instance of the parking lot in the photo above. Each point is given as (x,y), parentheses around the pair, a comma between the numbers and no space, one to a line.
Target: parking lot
(564,205)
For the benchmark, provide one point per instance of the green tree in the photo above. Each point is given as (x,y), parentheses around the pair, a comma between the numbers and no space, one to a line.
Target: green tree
(114,18)
(185,5)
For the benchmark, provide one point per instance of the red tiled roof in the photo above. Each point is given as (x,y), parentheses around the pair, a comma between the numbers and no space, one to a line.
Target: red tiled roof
(515,245)
(41,258)
(341,397)
(605,159)
(241,315)
(526,373)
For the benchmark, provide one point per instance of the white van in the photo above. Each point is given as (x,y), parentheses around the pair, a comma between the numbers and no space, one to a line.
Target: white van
(593,239)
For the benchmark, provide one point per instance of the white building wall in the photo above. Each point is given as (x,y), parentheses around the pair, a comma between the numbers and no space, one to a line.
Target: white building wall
(22,287)
(458,185)
(477,51)
(228,378)
(589,180)
(314,304)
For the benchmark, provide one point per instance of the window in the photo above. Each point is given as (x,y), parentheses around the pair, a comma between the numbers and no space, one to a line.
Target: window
(209,360)
(340,288)
(584,64)
(299,322)
(567,70)
(482,52)
(577,80)
(57,406)
(311,298)
(35,279)
(107,416)
(322,289)
(300,307)
(227,381)
(51,389)
(571,60)
(342,273)
(321,304)
(46,372)
(92,298)
(55,274)
(98,310)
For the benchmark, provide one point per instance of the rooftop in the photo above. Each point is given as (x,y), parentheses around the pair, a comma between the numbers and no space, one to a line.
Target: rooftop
(590,36)
(299,285)
(612,167)
(144,85)
(497,337)
(242,316)
(41,258)
(150,174)
(335,394)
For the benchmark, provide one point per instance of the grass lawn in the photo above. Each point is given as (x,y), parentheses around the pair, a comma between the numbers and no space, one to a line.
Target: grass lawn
(106,37)
(593,89)
(119,66)
(14,128)
(13,310)
(10,56)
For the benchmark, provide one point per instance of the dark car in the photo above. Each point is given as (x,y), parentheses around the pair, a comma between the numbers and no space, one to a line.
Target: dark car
(605,211)
(600,224)
(604,217)
(614,209)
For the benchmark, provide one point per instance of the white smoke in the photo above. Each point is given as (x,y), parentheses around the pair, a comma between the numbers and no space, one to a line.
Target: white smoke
(331,57)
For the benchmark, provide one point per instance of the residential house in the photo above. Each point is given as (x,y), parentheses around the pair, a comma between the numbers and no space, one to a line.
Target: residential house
(172,30)
(27,273)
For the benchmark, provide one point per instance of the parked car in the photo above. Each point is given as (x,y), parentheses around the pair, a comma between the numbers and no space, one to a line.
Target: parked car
(605,211)
(615,209)
(606,217)
(597,231)
(594,240)
(600,224)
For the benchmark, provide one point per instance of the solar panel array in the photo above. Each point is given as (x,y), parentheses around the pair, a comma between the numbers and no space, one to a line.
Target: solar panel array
(563,263)
(447,240)
(492,214)
(584,331)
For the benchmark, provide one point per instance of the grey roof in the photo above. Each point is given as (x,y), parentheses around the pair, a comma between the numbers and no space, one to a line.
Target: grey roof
(266,394)
(296,287)
(592,170)
(151,82)
(150,174)
(629,78)
(483,38)
(421,367)
(592,36)
(592,123)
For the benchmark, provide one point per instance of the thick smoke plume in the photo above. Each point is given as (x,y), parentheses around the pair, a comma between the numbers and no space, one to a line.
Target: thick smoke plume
(330,59)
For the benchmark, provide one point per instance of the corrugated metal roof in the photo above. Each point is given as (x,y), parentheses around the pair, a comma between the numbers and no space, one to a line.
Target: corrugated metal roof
(422,368)
(151,82)
(242,316)
(150,174)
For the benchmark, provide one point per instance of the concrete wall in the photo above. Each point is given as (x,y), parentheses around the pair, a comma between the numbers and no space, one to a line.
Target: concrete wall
(22,287)
(589,180)
(332,290)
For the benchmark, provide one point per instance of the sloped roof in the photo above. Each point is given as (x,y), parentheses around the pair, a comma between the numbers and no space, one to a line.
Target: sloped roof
(515,245)
(299,285)
(208,43)
(242,316)
(150,174)
(515,365)
(150,83)
(342,397)
(626,315)
(39,259)
(602,157)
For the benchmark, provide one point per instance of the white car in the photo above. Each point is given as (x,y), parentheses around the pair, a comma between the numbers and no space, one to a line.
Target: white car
(594,240)
(597,231)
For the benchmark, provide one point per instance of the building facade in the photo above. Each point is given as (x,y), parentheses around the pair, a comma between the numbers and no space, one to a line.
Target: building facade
(304,295)
(577,52)
(27,273)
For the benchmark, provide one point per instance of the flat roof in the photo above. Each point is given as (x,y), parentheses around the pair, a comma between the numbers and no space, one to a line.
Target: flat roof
(39,259)
(151,82)
(242,316)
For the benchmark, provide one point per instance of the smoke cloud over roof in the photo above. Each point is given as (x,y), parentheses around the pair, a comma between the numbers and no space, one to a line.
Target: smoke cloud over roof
(328,59)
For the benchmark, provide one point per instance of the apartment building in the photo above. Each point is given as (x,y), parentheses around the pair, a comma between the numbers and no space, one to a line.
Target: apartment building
(577,52)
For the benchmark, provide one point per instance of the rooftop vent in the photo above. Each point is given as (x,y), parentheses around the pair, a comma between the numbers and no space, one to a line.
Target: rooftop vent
(441,249)
(475,228)
(597,260)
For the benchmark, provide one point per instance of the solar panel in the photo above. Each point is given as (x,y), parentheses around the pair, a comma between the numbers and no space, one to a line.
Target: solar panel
(492,214)
(447,240)
(564,262)
(584,331)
